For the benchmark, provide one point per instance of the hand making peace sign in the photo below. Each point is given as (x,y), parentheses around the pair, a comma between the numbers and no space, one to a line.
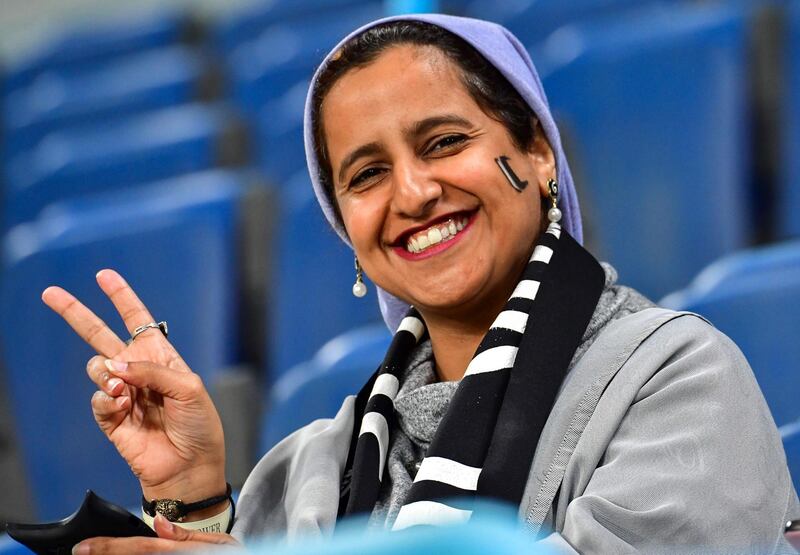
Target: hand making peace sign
(149,403)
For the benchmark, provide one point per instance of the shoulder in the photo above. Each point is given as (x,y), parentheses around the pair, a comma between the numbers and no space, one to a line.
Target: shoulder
(636,343)
(662,336)
(675,330)
(653,349)
(685,346)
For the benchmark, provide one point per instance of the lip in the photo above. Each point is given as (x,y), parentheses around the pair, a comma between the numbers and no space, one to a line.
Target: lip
(402,238)
(402,252)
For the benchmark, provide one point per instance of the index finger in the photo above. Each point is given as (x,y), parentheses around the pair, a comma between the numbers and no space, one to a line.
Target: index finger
(130,308)
(85,323)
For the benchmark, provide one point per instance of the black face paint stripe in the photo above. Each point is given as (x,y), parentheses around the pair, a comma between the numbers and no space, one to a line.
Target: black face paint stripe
(515,181)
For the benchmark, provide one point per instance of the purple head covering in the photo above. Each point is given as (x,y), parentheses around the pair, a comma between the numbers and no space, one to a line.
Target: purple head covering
(506,53)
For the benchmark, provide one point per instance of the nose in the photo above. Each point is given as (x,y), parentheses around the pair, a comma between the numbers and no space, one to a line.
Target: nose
(415,193)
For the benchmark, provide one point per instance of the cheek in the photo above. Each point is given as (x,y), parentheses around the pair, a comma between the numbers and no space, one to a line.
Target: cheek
(518,215)
(531,209)
(472,168)
(362,220)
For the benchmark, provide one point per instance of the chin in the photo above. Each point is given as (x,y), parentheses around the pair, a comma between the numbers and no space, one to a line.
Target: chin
(444,300)
(454,289)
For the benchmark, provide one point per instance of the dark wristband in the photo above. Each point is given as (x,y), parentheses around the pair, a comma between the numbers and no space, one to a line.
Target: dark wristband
(176,510)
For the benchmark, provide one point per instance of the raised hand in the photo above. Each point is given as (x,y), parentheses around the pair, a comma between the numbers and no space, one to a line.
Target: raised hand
(149,403)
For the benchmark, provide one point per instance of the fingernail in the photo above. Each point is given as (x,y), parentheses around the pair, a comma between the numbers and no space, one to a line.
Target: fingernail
(114,383)
(165,523)
(81,549)
(116,365)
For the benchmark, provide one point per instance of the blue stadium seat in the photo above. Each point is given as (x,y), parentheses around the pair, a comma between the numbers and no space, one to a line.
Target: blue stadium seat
(653,112)
(316,388)
(412,6)
(10,547)
(123,34)
(278,147)
(497,531)
(133,84)
(533,20)
(284,54)
(788,202)
(791,444)
(310,299)
(176,243)
(143,148)
(753,297)
(247,23)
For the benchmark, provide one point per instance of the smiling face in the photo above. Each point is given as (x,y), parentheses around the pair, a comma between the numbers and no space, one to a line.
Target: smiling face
(431,216)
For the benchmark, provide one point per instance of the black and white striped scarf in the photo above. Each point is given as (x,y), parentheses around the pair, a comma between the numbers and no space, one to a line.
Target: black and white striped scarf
(485,443)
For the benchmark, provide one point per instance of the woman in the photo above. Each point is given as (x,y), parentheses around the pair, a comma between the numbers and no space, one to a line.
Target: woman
(522,373)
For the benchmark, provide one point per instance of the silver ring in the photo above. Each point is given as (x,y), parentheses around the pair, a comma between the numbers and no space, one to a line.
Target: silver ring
(141,329)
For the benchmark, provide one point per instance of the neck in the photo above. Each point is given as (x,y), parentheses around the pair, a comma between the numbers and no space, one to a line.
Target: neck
(456,334)
(453,345)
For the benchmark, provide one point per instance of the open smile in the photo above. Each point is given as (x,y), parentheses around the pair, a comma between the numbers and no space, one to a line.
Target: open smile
(435,238)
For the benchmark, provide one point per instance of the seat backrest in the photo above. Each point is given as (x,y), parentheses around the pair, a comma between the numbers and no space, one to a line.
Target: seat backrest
(652,110)
(132,84)
(279,127)
(316,388)
(310,300)
(533,20)
(77,47)
(11,547)
(249,22)
(176,245)
(144,148)
(753,297)
(788,202)
(285,53)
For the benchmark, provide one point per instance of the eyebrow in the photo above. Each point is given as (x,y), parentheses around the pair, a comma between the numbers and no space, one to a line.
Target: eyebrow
(364,150)
(418,128)
(423,126)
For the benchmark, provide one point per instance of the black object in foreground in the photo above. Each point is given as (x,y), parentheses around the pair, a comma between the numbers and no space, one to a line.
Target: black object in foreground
(95,517)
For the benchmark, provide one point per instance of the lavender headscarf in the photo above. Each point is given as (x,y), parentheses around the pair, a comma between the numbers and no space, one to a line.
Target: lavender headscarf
(506,53)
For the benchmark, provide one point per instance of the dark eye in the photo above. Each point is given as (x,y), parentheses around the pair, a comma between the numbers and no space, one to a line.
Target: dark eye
(364,176)
(447,142)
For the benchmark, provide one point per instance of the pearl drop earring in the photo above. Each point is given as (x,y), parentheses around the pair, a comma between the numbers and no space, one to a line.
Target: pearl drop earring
(359,287)
(554,214)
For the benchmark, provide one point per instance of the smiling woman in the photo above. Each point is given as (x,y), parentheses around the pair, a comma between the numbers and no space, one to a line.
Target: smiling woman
(418,164)
(520,370)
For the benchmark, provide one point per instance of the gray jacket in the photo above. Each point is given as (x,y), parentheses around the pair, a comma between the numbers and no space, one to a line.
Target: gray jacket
(659,437)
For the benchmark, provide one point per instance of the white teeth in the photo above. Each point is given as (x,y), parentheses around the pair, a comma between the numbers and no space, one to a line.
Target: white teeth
(436,235)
